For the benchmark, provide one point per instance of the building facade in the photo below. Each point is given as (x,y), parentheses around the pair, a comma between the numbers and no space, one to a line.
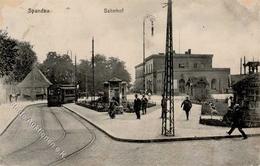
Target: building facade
(186,66)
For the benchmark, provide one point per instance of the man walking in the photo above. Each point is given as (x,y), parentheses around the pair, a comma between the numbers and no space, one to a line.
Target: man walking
(144,101)
(137,106)
(237,121)
(186,104)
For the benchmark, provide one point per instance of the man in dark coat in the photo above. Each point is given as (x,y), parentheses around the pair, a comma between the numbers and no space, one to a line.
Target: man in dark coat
(186,104)
(237,121)
(112,107)
(137,106)
(144,101)
(164,106)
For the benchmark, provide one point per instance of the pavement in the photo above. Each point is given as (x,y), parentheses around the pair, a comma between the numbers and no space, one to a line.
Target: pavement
(127,128)
(8,114)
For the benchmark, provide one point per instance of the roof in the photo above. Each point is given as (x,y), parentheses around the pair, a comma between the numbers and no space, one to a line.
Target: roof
(236,78)
(176,56)
(248,80)
(255,64)
(115,79)
(35,79)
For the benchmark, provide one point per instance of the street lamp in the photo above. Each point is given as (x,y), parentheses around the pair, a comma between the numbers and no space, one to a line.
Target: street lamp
(151,19)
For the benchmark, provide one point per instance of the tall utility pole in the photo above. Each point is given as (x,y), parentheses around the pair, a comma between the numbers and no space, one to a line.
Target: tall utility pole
(75,78)
(75,71)
(168,90)
(86,80)
(93,69)
(151,18)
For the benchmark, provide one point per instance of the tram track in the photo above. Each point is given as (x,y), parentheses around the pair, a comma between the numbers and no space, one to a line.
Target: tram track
(30,144)
(63,141)
(42,112)
(62,137)
(93,137)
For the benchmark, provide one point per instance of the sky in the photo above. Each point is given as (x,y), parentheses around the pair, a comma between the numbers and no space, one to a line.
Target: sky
(229,29)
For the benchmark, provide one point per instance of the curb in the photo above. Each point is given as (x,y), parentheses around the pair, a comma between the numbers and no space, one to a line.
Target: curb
(16,117)
(159,139)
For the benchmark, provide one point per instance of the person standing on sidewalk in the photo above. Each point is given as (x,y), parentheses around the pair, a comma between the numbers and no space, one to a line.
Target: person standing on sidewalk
(137,106)
(144,101)
(230,102)
(164,106)
(186,104)
(237,121)
(112,107)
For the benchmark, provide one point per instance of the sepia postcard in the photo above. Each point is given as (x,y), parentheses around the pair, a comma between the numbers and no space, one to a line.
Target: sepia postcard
(130,82)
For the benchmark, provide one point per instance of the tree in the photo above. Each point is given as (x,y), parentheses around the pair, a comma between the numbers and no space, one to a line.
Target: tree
(25,60)
(102,72)
(105,69)
(84,74)
(58,68)
(16,58)
(7,54)
(118,69)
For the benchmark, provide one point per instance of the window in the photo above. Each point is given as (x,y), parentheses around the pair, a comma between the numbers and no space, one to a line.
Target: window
(195,65)
(214,84)
(181,65)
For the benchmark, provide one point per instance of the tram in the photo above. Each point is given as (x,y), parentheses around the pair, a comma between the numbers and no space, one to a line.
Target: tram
(60,94)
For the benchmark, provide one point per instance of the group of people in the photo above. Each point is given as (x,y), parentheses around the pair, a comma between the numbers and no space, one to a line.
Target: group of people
(185,105)
(140,104)
(234,109)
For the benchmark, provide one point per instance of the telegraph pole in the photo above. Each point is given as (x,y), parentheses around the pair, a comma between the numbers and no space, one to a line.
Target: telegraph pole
(168,90)
(93,69)
(86,80)
(75,71)
(151,18)
(75,78)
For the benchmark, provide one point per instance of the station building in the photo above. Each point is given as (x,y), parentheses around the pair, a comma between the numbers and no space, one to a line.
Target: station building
(186,67)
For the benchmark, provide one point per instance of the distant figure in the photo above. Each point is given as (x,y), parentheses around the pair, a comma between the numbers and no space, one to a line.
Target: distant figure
(13,96)
(237,121)
(10,98)
(137,106)
(164,107)
(186,104)
(149,96)
(112,108)
(144,101)
(230,102)
(16,97)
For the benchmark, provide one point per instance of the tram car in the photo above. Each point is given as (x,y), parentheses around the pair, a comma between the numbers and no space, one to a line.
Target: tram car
(60,94)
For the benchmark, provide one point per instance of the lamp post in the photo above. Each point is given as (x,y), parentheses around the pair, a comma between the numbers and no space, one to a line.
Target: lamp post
(93,70)
(151,19)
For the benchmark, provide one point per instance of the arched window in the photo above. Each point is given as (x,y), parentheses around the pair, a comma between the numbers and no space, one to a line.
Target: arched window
(182,86)
(214,84)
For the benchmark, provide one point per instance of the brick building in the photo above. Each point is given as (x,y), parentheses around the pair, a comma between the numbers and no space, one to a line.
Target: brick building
(185,66)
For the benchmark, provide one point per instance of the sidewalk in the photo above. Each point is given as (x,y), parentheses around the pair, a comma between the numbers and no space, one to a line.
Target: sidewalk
(8,113)
(126,127)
